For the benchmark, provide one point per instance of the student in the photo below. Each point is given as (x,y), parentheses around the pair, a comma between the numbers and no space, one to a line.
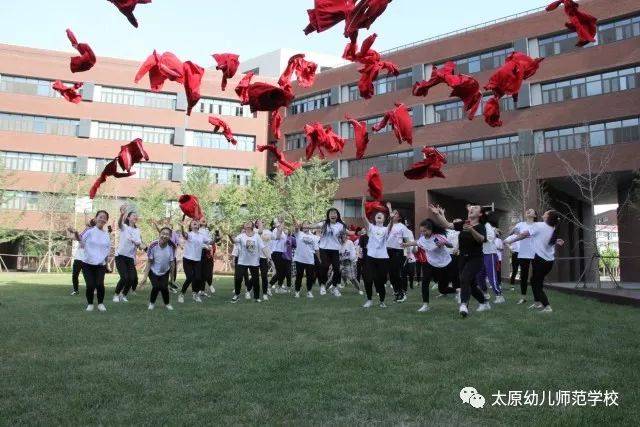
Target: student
(499,244)
(544,238)
(129,242)
(206,262)
(490,262)
(250,246)
(175,240)
(348,259)
(266,236)
(245,277)
(278,247)
(454,274)
(514,248)
(361,247)
(473,234)
(433,241)
(191,260)
(287,257)
(398,234)
(409,268)
(76,268)
(96,243)
(160,255)
(329,245)
(376,266)
(307,250)
(526,253)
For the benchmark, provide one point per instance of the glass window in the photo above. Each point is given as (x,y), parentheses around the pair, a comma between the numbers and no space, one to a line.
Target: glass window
(490,149)
(595,135)
(385,84)
(222,107)
(295,141)
(619,30)
(148,170)
(486,61)
(389,163)
(310,103)
(139,98)
(28,86)
(223,176)
(218,141)
(38,124)
(123,132)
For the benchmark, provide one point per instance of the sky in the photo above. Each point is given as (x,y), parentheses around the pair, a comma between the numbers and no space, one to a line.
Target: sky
(194,29)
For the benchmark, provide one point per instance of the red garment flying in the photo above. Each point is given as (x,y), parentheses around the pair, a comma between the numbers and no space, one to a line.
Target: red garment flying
(190,206)
(161,68)
(492,112)
(320,137)
(287,167)
(228,63)
(401,123)
(372,208)
(374,183)
(429,167)
(218,124)
(361,136)
(126,7)
(438,75)
(468,90)
(276,122)
(581,23)
(508,79)
(363,15)
(371,64)
(87,58)
(263,96)
(528,65)
(305,71)
(129,155)
(192,80)
(326,14)
(365,55)
(68,92)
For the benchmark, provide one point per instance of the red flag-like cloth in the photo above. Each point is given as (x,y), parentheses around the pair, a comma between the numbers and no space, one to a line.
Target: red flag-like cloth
(492,112)
(276,122)
(287,167)
(161,68)
(468,90)
(582,23)
(263,96)
(372,208)
(190,206)
(363,15)
(86,60)
(401,123)
(129,155)
(320,137)
(70,93)
(218,124)
(372,64)
(228,63)
(438,75)
(126,7)
(374,183)
(305,71)
(361,136)
(326,14)
(193,75)
(429,167)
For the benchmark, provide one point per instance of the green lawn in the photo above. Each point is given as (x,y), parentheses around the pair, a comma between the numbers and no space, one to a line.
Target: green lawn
(309,362)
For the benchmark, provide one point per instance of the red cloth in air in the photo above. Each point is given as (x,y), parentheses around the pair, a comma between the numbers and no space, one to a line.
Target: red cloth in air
(218,124)
(192,80)
(372,208)
(508,79)
(321,138)
(276,123)
(287,167)
(228,63)
(363,15)
(582,23)
(528,65)
(361,136)
(87,58)
(305,71)
(438,75)
(468,90)
(372,64)
(401,123)
(128,156)
(366,53)
(374,183)
(326,14)
(161,68)
(429,167)
(70,93)
(111,169)
(126,7)
(190,206)
(492,112)
(263,96)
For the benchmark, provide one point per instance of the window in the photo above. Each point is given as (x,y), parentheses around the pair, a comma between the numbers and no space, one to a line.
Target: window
(389,163)
(614,81)
(218,141)
(481,62)
(20,200)
(384,85)
(38,162)
(310,103)
(619,30)
(222,107)
(352,208)
(27,86)
(139,98)
(557,45)
(223,176)
(38,124)
(594,135)
(148,170)
(476,151)
(120,132)
(295,141)
(451,111)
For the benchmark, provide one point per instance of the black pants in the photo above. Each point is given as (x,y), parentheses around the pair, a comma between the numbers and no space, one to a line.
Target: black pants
(207,268)
(440,275)
(541,268)
(329,258)
(264,275)
(193,273)
(239,275)
(375,273)
(408,275)
(469,267)
(283,269)
(76,268)
(514,267)
(454,272)
(359,269)
(396,261)
(159,285)
(525,266)
(128,275)
(309,271)
(94,280)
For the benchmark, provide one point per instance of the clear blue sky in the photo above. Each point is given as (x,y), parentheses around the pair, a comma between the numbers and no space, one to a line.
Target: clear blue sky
(193,29)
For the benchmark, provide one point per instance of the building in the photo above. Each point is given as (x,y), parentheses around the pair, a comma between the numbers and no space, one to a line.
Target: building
(272,64)
(607,230)
(580,98)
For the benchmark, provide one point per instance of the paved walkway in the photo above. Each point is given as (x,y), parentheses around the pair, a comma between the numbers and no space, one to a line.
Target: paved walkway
(628,295)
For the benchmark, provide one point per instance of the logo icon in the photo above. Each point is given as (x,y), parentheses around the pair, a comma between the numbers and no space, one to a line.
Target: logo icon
(470,395)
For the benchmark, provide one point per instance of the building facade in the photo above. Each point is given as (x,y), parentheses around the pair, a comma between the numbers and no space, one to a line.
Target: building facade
(272,64)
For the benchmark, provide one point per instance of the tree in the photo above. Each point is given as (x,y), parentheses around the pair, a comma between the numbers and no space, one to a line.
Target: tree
(527,186)
(310,191)
(228,216)
(264,200)
(152,206)
(199,183)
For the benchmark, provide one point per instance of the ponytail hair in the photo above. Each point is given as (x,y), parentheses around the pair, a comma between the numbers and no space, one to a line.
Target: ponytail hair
(553,220)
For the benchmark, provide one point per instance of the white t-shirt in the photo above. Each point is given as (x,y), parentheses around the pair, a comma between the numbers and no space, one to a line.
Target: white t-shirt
(526,246)
(129,238)
(540,235)
(249,249)
(489,247)
(377,245)
(266,238)
(193,245)
(207,235)
(499,247)
(399,233)
(437,257)
(329,237)
(234,251)
(515,247)
(278,245)
(160,258)
(306,247)
(97,245)
(348,251)
(452,237)
(76,251)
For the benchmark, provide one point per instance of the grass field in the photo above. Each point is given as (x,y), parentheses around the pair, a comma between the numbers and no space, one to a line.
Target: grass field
(303,362)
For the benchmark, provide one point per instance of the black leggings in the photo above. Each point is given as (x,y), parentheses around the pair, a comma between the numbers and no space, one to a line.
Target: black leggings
(329,258)
(283,269)
(440,275)
(309,271)
(193,273)
(128,275)
(94,280)
(239,275)
(396,261)
(454,272)
(408,275)
(375,273)
(159,285)
(469,267)
(525,266)
(264,275)
(207,268)
(541,268)
(514,267)
(76,268)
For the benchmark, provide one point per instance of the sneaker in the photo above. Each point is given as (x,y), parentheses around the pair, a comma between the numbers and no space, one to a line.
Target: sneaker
(247,295)
(285,289)
(257,300)
(173,290)
(181,298)
(212,290)
(309,294)
(434,286)
(101,307)
(484,307)
(269,292)
(323,290)
(330,288)
(90,307)
(464,310)
(521,301)
(169,307)
(383,305)
(361,292)
(535,306)
(341,286)
(197,299)
(116,298)
(123,298)
(336,292)
(499,300)
(74,293)
(368,304)
(424,308)
(203,294)
(513,288)
(151,306)
(547,309)
(235,298)
(487,296)
(296,295)
(458,299)
(402,298)
(265,297)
